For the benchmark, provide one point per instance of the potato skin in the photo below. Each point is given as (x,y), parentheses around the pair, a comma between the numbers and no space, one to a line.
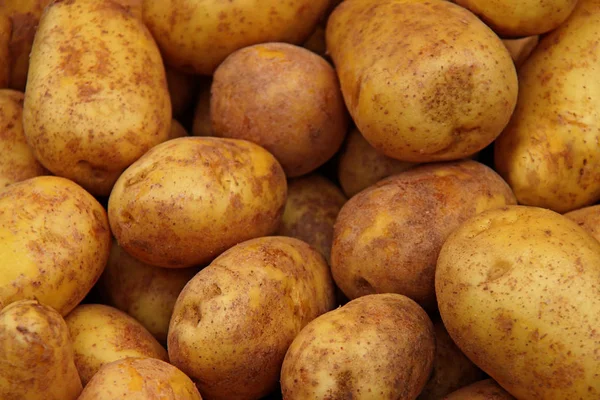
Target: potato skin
(483,390)
(517,290)
(140,379)
(5,33)
(17,162)
(284,98)
(89,114)
(548,153)
(36,353)
(245,308)
(177,130)
(386,238)
(588,218)
(521,49)
(189,199)
(54,241)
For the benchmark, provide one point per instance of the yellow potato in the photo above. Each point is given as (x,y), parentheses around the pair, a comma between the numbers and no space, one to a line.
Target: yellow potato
(202,125)
(376,347)
(182,88)
(89,114)
(140,379)
(54,242)
(220,28)
(424,80)
(5,57)
(521,49)
(588,218)
(36,354)
(189,199)
(517,290)
(387,238)
(548,153)
(177,130)
(484,390)
(17,162)
(145,292)
(133,6)
(233,322)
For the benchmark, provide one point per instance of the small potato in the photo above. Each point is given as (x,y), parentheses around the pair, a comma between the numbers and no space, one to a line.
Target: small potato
(140,379)
(361,166)
(376,347)
(387,238)
(182,88)
(36,354)
(312,206)
(588,218)
(5,57)
(521,49)
(17,162)
(177,130)
(484,390)
(202,125)
(54,242)
(284,98)
(189,199)
(102,334)
(233,322)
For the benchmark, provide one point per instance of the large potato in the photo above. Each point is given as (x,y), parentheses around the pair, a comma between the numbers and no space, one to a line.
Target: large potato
(234,321)
(549,152)
(387,238)
(284,98)
(5,57)
(17,162)
(189,199)
(96,96)
(484,390)
(36,354)
(588,218)
(140,379)
(376,347)
(424,80)
(220,28)
(517,289)
(54,242)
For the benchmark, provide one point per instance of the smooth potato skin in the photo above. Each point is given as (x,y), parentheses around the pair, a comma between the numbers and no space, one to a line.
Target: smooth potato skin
(189,199)
(284,98)
(5,33)
(588,218)
(548,153)
(424,80)
(17,162)
(387,238)
(517,290)
(54,242)
(36,354)
(483,390)
(245,308)
(89,114)
(140,379)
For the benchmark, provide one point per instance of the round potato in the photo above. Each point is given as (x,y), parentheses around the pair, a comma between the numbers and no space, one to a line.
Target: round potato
(17,162)
(177,130)
(484,390)
(89,114)
(140,379)
(189,199)
(521,49)
(312,206)
(424,80)
(517,290)
(202,125)
(284,98)
(245,309)
(54,242)
(36,354)
(588,218)
(387,237)
(376,347)
(5,57)
(182,88)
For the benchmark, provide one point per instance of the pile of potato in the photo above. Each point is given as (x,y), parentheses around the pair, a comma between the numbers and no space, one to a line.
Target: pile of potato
(302,199)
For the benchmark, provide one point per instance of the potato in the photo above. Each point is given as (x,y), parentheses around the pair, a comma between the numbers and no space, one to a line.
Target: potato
(424,80)
(140,379)
(220,28)
(89,114)
(361,166)
(376,347)
(133,6)
(202,125)
(54,242)
(517,290)
(103,334)
(387,238)
(17,162)
(36,354)
(5,57)
(588,218)
(284,98)
(484,390)
(521,49)
(177,130)
(189,199)
(145,292)
(549,152)
(245,309)
(312,206)
(518,18)
(182,88)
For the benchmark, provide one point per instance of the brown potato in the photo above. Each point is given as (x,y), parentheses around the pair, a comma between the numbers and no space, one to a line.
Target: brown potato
(202,125)
(387,238)
(588,218)
(5,33)
(182,88)
(521,49)
(284,98)
(484,390)
(177,130)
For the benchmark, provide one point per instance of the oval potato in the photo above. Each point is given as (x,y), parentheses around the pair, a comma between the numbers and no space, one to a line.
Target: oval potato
(484,390)
(588,218)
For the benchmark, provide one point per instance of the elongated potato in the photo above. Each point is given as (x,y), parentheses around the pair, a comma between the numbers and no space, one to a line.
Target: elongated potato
(5,57)
(484,390)
(89,114)
(588,218)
